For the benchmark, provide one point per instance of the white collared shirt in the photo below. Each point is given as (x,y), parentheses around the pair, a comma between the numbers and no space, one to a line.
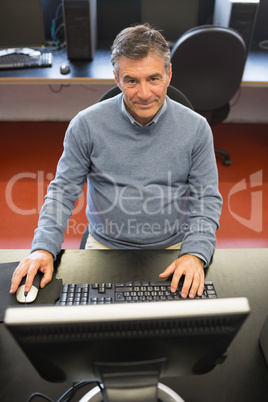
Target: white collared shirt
(154,120)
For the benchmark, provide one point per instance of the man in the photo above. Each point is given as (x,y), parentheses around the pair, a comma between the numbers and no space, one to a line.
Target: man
(150,167)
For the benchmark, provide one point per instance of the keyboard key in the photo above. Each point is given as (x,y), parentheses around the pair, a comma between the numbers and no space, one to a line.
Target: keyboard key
(129,292)
(21,60)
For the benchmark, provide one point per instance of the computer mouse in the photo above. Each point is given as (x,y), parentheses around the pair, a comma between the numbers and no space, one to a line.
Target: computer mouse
(65,69)
(29,297)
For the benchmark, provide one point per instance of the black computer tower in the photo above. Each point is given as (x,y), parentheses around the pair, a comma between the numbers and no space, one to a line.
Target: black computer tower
(237,14)
(80,20)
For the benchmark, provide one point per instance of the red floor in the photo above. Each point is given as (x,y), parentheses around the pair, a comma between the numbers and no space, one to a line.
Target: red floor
(30,151)
(244,185)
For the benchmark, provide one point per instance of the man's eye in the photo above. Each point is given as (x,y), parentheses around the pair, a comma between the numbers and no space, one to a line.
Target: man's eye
(130,83)
(155,80)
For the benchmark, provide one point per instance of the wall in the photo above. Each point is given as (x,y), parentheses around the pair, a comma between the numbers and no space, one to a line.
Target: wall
(47,102)
(61,103)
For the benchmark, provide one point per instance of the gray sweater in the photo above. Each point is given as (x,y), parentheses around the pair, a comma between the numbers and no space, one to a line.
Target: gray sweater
(148,187)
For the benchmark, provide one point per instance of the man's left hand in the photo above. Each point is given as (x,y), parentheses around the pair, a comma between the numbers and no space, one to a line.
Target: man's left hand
(192,268)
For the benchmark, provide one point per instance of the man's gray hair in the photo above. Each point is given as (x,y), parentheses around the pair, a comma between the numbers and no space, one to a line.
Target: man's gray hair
(137,42)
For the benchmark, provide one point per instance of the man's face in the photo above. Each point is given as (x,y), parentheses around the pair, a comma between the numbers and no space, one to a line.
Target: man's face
(144,85)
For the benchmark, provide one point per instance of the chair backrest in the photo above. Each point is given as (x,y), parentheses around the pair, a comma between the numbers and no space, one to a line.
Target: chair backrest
(208,63)
(172,92)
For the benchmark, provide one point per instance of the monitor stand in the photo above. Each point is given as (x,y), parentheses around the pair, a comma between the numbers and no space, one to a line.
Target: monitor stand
(165,394)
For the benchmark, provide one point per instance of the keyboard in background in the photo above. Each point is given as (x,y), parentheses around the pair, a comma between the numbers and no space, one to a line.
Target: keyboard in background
(24,58)
(129,292)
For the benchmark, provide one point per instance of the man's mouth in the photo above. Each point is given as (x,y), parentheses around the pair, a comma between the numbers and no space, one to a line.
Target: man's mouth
(142,104)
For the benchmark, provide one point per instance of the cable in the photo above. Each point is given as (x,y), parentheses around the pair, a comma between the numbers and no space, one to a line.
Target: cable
(70,392)
(238,96)
(37,394)
(264,44)
(57,31)
(54,22)
(68,395)
(57,91)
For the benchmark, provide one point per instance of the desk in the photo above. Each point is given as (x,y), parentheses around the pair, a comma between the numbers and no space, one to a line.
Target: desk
(256,68)
(100,70)
(82,72)
(242,377)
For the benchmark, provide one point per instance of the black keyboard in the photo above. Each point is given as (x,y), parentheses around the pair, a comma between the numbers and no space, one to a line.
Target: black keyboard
(21,60)
(129,292)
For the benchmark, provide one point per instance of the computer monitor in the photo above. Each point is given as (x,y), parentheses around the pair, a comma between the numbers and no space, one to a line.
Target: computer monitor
(127,347)
(21,24)
(171,17)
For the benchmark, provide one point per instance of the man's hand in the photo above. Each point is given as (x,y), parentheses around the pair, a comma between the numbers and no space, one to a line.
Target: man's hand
(39,260)
(190,266)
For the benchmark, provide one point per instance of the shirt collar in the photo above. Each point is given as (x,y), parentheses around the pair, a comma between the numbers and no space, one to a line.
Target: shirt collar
(133,121)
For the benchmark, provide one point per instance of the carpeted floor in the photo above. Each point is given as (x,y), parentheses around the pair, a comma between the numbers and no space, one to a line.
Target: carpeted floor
(30,151)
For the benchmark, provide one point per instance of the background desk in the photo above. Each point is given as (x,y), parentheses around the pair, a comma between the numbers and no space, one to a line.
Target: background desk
(82,72)
(242,377)
(43,94)
(100,70)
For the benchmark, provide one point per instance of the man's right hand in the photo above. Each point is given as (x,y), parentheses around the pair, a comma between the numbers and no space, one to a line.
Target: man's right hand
(38,260)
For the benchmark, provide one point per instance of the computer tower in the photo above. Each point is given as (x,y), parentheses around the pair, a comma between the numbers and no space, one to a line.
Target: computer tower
(261,26)
(237,14)
(80,20)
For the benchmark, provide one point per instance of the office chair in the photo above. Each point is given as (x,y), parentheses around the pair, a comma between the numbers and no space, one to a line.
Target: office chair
(172,92)
(208,63)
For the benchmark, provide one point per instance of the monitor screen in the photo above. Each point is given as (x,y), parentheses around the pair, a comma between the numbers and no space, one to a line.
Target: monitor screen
(121,344)
(21,24)
(171,17)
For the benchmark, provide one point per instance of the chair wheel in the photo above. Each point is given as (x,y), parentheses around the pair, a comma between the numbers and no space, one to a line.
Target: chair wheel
(227,162)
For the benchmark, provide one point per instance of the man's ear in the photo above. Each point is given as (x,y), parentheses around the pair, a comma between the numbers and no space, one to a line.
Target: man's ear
(116,80)
(170,73)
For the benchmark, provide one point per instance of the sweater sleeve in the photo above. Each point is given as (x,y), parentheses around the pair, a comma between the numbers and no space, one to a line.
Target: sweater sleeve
(205,201)
(64,190)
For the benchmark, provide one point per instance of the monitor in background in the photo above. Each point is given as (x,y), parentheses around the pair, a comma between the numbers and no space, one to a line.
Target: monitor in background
(127,347)
(205,12)
(21,24)
(171,17)
(115,15)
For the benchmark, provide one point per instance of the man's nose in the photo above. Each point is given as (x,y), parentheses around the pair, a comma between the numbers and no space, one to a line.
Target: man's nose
(144,90)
